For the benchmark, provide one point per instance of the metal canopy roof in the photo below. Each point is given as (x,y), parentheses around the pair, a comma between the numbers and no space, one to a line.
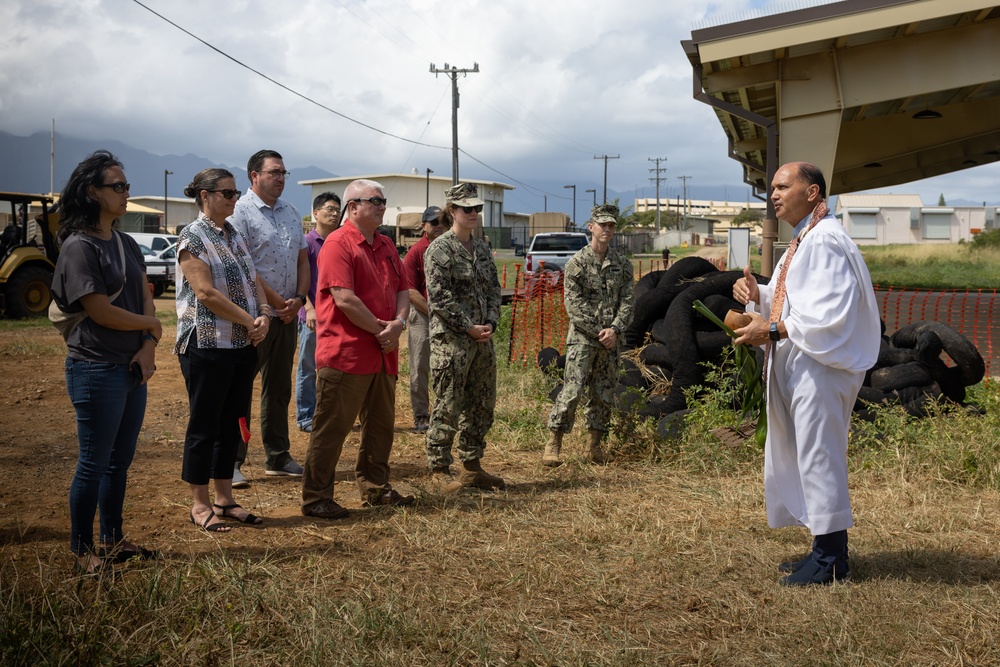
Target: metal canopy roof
(838,85)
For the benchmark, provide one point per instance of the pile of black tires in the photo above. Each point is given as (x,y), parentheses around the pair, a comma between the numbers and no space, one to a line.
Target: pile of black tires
(676,341)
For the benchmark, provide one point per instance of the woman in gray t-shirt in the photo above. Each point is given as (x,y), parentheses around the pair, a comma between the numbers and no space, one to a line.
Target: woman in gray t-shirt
(111,354)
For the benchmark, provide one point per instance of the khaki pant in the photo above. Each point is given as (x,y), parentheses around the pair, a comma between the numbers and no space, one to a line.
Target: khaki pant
(340,399)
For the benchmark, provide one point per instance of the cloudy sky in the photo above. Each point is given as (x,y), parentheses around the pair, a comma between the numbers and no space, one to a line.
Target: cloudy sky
(560,81)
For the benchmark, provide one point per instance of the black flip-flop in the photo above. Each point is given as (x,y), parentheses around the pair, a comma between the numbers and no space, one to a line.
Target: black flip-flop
(214,528)
(250,519)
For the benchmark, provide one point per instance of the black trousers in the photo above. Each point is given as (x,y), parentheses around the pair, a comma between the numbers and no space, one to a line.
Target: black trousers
(219,385)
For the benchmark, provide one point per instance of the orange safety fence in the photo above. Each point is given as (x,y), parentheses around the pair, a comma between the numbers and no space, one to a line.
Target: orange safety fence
(538,317)
(539,320)
(969,312)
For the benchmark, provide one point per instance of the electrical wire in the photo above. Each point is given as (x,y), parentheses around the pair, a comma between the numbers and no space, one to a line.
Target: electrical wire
(284,87)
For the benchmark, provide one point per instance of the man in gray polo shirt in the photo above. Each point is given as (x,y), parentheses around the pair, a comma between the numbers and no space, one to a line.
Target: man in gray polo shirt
(272,228)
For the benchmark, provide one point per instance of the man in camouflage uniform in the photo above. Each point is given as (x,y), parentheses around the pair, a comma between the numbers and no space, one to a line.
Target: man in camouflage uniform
(598,297)
(463,295)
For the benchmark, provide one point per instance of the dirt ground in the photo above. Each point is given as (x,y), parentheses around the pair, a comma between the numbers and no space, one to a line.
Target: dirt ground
(38,452)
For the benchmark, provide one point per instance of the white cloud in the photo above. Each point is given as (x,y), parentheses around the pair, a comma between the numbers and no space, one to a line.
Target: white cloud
(559,82)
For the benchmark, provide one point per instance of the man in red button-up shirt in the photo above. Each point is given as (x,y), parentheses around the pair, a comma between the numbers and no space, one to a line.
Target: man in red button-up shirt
(362,301)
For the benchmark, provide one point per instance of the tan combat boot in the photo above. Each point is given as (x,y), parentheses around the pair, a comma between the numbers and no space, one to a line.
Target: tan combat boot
(445,481)
(551,456)
(597,453)
(476,477)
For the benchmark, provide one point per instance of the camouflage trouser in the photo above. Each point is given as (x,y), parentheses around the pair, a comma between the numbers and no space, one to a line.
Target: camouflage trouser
(591,373)
(464,378)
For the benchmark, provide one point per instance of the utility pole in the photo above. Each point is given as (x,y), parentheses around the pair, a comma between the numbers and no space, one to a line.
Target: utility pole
(606,158)
(166,172)
(657,170)
(454,72)
(684,179)
(574,201)
(429,172)
(593,192)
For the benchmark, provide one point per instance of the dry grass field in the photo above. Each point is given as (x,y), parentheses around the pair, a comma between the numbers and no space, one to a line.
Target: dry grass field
(661,558)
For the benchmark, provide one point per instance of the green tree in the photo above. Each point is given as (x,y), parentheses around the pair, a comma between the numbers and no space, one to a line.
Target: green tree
(749,217)
(941,200)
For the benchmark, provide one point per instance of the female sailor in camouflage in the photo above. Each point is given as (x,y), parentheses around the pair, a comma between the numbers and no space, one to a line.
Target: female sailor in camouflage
(463,294)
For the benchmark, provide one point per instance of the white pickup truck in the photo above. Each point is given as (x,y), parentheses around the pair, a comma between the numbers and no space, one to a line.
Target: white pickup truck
(551,251)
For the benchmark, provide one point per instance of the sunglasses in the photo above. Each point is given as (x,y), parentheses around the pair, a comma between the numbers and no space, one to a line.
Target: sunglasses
(374,201)
(433,223)
(471,209)
(275,173)
(227,193)
(117,187)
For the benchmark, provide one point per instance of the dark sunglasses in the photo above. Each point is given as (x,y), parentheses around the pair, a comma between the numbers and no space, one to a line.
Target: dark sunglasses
(374,201)
(117,187)
(227,193)
(471,209)
(433,223)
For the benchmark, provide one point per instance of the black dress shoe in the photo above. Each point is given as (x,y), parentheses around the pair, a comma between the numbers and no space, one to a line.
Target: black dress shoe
(794,565)
(814,574)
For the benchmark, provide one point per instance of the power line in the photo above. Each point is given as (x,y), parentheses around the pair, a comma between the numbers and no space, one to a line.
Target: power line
(533,189)
(283,86)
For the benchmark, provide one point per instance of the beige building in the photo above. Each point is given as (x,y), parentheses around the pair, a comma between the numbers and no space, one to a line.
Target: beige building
(903,219)
(721,213)
(180,210)
(412,193)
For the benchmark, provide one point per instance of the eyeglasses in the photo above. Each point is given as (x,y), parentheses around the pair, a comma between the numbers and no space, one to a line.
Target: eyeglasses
(332,210)
(117,187)
(227,193)
(374,201)
(275,173)
(433,223)
(472,209)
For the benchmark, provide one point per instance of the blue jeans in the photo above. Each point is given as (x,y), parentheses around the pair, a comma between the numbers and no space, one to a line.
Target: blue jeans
(305,378)
(109,414)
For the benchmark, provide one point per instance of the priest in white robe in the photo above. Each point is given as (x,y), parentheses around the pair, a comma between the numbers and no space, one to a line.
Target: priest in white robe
(820,319)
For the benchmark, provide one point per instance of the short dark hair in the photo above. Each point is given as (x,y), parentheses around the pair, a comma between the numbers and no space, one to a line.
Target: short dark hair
(78,211)
(206,179)
(811,174)
(324,198)
(256,160)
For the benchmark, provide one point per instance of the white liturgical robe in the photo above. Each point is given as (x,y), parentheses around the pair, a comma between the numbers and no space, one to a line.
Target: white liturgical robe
(833,325)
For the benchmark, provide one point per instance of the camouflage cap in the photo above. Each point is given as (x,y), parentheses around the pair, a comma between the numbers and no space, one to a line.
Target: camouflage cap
(463,194)
(430,213)
(604,213)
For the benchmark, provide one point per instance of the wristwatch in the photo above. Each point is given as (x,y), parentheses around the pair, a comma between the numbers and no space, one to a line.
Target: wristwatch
(773,333)
(302,297)
(403,321)
(616,329)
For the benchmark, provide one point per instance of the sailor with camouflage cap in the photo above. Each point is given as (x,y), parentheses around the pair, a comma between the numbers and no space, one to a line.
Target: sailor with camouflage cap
(598,284)
(463,294)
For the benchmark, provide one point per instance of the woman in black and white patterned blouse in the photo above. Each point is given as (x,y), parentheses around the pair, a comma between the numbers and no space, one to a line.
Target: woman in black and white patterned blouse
(221,317)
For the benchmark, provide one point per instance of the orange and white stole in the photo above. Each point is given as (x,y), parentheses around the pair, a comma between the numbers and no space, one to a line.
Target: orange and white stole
(778,301)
